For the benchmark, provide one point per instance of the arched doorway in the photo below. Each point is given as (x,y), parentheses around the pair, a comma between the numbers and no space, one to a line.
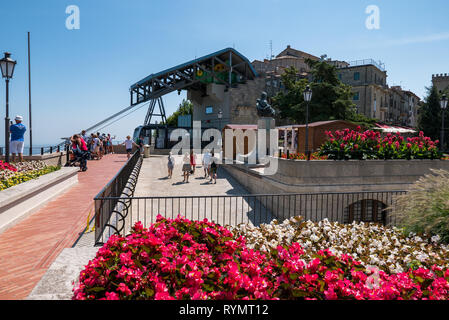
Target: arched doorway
(367,210)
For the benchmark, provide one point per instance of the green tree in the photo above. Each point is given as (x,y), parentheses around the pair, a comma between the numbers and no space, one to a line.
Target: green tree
(429,119)
(331,100)
(185,108)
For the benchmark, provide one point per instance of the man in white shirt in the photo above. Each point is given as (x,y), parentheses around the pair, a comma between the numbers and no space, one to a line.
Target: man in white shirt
(206,163)
(129,145)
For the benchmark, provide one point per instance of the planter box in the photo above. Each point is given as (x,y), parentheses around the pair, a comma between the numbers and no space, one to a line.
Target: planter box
(20,201)
(299,176)
(355,175)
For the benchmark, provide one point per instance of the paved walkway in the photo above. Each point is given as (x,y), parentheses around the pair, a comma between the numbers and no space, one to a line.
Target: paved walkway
(221,202)
(29,248)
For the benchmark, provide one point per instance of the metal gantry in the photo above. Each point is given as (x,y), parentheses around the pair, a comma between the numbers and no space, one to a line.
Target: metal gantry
(227,67)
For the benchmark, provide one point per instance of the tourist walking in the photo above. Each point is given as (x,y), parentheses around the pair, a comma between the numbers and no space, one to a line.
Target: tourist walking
(206,163)
(129,146)
(213,168)
(186,167)
(17,141)
(192,161)
(170,165)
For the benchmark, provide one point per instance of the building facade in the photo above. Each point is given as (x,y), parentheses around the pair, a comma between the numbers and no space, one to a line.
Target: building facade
(368,79)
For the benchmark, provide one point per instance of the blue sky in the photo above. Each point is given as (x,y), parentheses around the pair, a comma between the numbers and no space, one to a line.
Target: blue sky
(80,77)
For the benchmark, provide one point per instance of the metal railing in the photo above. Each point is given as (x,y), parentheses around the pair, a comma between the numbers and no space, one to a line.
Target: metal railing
(38,150)
(363,62)
(252,209)
(115,198)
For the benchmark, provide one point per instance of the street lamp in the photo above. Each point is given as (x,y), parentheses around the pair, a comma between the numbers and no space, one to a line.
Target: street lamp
(307,99)
(7,65)
(220,116)
(443,104)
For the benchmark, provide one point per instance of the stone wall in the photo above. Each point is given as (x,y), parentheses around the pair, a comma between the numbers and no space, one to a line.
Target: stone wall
(243,101)
(295,176)
(324,182)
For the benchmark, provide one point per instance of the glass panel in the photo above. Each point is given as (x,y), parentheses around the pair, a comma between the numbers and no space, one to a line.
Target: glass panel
(209,110)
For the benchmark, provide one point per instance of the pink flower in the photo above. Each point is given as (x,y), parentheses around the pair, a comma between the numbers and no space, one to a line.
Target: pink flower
(124,289)
(112,296)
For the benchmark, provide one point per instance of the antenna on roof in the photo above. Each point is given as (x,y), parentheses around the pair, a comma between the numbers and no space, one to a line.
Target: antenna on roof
(271,49)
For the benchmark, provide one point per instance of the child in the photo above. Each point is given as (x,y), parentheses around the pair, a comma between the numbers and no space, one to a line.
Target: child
(170,165)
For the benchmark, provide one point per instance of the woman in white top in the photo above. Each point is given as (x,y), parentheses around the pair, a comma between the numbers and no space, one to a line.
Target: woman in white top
(129,146)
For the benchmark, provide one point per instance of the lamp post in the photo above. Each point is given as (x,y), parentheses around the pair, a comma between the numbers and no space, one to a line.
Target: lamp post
(307,99)
(7,66)
(443,104)
(220,116)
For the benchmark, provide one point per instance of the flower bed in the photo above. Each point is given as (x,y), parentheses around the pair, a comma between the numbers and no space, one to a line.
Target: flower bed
(14,174)
(349,144)
(373,245)
(181,259)
(303,156)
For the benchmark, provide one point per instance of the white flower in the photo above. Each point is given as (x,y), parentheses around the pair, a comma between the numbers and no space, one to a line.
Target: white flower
(435,239)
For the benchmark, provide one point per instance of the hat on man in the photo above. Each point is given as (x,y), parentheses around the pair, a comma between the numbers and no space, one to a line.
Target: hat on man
(19,118)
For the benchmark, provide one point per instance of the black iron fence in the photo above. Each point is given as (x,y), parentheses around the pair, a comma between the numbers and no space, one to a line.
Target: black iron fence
(253,209)
(115,198)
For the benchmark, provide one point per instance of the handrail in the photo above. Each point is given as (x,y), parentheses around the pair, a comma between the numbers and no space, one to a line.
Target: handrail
(255,195)
(131,159)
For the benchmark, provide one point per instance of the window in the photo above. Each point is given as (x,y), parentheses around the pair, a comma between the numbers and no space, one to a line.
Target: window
(209,110)
(339,76)
(356,76)
(356,96)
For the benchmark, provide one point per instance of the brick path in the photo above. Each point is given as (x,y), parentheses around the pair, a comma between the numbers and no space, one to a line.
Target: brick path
(29,248)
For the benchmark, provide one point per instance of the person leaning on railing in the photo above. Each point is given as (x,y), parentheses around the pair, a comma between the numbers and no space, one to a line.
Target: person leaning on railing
(79,149)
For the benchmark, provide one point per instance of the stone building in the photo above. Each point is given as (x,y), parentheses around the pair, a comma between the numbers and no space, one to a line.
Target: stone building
(441,81)
(368,79)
